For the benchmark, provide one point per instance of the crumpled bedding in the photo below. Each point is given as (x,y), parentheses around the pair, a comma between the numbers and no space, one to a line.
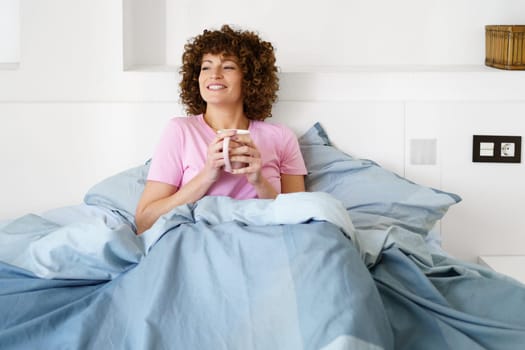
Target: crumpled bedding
(92,249)
(293,273)
(220,274)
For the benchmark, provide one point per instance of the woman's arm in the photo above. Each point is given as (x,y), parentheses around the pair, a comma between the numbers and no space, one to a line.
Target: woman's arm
(155,201)
(159,198)
(292,183)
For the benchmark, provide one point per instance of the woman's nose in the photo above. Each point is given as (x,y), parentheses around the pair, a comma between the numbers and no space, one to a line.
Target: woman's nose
(216,73)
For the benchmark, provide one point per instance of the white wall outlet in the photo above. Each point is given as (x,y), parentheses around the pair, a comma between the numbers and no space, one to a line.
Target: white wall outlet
(507,149)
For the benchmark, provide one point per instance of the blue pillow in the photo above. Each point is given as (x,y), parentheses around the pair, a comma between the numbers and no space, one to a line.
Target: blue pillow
(373,196)
(120,192)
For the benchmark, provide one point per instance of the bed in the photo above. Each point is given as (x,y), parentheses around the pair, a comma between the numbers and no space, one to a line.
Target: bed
(354,263)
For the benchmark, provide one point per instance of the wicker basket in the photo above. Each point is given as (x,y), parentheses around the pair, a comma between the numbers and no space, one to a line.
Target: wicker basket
(505,46)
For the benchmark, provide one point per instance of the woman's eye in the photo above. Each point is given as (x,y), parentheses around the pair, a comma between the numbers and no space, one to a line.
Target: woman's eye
(204,68)
(229,67)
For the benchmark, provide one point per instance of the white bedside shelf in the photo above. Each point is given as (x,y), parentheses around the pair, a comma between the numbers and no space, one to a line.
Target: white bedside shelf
(510,265)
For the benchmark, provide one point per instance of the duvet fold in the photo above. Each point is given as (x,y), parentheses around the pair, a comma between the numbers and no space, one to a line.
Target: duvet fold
(90,249)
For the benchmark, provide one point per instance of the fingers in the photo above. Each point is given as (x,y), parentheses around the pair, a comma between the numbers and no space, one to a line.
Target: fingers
(243,151)
(250,169)
(215,158)
(248,156)
(243,140)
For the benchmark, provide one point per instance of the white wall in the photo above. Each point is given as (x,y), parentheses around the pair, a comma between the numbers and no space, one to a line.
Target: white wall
(9,32)
(310,33)
(71,115)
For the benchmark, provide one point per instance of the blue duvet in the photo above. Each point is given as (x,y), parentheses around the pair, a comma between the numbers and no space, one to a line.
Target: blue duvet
(294,273)
(245,276)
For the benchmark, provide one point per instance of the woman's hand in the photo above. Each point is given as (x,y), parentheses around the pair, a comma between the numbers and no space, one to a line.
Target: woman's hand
(242,149)
(214,157)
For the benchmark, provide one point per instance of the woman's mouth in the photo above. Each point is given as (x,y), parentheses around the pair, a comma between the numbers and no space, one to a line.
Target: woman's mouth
(216,87)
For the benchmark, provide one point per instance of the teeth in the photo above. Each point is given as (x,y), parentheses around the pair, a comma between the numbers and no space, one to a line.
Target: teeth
(216,87)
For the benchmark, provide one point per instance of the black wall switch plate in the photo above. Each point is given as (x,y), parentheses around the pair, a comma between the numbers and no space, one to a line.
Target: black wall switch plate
(496,149)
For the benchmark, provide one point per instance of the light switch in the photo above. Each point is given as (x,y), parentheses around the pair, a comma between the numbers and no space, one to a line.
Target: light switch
(486,149)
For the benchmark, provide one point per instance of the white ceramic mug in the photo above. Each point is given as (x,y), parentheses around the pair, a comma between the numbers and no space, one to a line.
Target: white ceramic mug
(228,166)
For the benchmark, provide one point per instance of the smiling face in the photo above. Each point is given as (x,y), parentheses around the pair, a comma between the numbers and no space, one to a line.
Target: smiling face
(220,80)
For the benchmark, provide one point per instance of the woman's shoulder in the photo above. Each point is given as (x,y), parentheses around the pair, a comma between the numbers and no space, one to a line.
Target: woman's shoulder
(179,126)
(185,119)
(184,122)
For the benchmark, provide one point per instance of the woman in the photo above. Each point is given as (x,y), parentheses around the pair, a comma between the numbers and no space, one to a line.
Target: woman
(229,81)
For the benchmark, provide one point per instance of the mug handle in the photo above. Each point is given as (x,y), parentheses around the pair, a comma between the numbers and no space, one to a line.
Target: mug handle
(226,154)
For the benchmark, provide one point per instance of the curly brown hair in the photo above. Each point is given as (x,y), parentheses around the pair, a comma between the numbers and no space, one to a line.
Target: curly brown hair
(255,57)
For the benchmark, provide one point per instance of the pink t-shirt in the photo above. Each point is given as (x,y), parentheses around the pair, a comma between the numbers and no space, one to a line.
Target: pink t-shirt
(181,154)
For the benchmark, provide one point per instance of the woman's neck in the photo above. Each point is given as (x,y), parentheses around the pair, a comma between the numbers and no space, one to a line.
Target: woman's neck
(226,119)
